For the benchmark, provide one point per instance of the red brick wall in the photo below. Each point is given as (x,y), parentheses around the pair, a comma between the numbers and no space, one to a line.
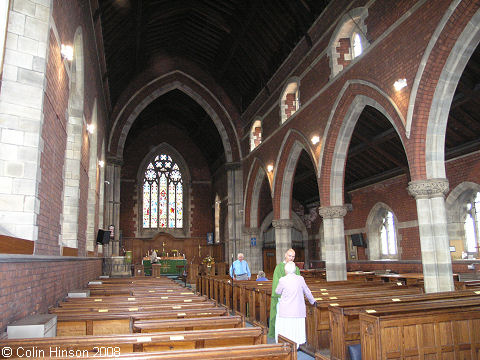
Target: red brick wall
(32,287)
(342,50)
(54,137)
(68,16)
(201,194)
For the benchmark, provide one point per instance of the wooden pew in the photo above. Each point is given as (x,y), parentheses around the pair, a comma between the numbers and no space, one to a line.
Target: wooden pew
(121,344)
(214,322)
(345,324)
(284,350)
(106,321)
(438,334)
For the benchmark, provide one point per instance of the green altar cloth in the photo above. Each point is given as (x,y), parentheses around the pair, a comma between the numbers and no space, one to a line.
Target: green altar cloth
(170,266)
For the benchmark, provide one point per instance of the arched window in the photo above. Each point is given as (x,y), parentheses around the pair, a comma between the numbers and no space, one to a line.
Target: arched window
(472,223)
(357,47)
(162,194)
(290,101)
(348,40)
(387,234)
(217,219)
(383,241)
(256,134)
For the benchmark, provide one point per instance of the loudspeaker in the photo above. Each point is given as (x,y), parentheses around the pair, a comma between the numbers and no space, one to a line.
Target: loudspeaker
(357,240)
(106,237)
(100,235)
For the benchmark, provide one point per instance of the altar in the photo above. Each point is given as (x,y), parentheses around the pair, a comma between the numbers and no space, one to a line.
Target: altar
(172,265)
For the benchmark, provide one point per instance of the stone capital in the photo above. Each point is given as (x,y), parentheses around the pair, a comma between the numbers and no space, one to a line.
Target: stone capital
(282,223)
(250,230)
(114,161)
(427,189)
(332,212)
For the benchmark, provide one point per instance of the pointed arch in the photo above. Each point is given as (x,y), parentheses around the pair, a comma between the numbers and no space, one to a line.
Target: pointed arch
(75,129)
(161,85)
(455,64)
(292,145)
(373,225)
(93,177)
(339,129)
(255,178)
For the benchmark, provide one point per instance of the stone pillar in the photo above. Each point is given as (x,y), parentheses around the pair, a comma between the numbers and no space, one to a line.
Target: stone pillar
(334,236)
(432,226)
(235,213)
(21,116)
(112,198)
(255,252)
(283,237)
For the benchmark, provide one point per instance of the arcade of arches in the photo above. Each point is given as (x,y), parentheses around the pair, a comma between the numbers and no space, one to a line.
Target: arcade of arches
(352,137)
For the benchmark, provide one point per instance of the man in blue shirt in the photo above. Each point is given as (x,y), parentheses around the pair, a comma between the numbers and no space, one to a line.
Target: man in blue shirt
(239,270)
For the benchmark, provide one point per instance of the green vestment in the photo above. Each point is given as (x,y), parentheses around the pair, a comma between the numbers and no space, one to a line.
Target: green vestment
(277,274)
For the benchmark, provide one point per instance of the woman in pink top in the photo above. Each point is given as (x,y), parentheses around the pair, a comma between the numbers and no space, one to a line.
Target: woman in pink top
(291,311)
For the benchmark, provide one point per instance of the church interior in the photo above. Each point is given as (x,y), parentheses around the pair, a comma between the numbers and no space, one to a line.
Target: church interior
(145,143)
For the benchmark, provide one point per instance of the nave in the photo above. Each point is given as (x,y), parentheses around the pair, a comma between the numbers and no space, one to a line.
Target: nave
(160,318)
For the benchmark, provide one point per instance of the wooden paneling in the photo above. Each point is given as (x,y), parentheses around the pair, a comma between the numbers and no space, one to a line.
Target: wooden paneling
(67,251)
(13,245)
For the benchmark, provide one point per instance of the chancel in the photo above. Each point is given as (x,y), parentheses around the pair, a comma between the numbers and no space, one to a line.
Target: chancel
(144,144)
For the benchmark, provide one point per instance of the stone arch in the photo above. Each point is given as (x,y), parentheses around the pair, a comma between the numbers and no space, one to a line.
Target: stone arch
(292,145)
(338,132)
(458,58)
(161,85)
(93,176)
(75,128)
(372,226)
(186,177)
(255,179)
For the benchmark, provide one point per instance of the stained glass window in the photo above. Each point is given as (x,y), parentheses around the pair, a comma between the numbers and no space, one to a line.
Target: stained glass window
(162,194)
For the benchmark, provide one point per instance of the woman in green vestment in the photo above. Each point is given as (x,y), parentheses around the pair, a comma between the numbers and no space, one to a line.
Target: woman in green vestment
(277,274)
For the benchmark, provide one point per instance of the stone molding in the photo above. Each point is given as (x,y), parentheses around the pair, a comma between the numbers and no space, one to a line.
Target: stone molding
(114,161)
(282,223)
(426,189)
(251,230)
(332,212)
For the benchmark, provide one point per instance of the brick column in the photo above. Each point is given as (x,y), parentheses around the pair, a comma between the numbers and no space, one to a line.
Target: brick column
(432,225)
(283,237)
(254,256)
(334,235)
(21,116)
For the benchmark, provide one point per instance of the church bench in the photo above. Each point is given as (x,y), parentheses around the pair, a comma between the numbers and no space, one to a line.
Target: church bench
(318,318)
(92,306)
(430,334)
(345,324)
(128,343)
(105,321)
(143,299)
(284,350)
(214,322)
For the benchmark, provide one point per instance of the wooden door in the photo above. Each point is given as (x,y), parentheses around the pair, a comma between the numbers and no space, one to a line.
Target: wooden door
(269,260)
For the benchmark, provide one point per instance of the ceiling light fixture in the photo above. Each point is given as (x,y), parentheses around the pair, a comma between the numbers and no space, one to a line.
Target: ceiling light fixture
(67,52)
(90,128)
(400,84)
(315,139)
(270,168)
(101,163)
